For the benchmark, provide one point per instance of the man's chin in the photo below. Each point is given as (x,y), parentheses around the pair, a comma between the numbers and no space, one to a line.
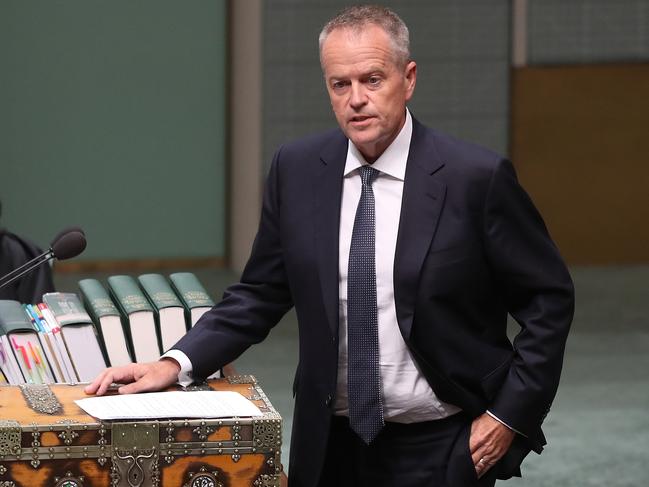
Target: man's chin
(362,138)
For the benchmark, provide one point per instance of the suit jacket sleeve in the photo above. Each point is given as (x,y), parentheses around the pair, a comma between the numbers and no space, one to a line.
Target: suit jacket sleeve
(539,295)
(250,308)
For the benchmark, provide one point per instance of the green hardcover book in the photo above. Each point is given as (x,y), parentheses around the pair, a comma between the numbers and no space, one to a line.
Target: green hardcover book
(107,319)
(79,334)
(192,294)
(169,311)
(21,340)
(137,317)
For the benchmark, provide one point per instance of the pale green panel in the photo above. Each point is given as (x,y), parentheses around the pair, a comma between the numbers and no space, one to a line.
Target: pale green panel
(112,117)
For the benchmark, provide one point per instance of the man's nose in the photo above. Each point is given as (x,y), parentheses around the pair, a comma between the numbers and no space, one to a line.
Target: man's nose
(357,97)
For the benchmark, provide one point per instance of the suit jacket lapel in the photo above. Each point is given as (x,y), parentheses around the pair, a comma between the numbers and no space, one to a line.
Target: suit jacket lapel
(327,191)
(423,199)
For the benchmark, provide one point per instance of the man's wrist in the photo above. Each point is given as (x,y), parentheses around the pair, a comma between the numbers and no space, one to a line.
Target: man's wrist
(185,372)
(172,362)
(503,423)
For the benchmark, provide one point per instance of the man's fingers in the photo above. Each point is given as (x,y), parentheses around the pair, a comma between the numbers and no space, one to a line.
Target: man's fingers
(488,442)
(483,460)
(100,384)
(137,377)
(113,374)
(105,384)
(94,385)
(483,465)
(152,377)
(134,387)
(478,455)
(488,453)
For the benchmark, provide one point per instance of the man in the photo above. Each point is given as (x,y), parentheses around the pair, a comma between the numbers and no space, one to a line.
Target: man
(402,251)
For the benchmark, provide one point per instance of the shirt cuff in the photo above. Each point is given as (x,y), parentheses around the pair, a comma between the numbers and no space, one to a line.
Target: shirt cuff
(502,422)
(185,375)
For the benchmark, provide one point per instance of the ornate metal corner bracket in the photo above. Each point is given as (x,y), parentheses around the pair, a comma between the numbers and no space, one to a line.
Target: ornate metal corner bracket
(10,437)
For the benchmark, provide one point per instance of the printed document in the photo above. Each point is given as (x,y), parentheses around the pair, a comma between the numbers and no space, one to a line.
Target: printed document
(174,404)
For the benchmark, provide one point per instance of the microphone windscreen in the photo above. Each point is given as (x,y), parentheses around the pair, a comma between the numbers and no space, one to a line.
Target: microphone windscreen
(69,245)
(64,231)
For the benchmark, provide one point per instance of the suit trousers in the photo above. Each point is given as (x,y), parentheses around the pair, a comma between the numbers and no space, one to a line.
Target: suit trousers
(427,454)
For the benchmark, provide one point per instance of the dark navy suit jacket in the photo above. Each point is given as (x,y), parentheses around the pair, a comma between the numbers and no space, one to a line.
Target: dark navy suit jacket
(471,248)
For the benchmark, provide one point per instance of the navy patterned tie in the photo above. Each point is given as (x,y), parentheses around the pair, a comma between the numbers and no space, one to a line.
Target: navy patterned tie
(363,379)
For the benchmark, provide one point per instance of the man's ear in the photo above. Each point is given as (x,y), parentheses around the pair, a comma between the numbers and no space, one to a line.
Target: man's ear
(410,78)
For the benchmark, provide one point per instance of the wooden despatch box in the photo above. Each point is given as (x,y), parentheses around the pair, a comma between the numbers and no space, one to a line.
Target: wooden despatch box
(72,449)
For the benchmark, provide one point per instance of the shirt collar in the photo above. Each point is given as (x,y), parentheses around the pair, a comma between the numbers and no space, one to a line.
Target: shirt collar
(394,158)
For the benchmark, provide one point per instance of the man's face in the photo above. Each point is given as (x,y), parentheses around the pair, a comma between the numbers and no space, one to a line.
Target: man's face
(367,88)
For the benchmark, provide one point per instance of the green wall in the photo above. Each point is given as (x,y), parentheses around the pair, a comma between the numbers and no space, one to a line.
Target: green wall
(112,117)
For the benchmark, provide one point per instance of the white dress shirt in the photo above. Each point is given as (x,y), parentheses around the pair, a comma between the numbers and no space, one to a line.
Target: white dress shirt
(407,397)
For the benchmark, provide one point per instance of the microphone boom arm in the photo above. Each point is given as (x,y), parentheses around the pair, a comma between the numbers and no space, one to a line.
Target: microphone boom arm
(26,267)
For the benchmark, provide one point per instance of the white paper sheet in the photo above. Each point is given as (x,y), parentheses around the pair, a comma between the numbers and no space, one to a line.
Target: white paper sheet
(175,404)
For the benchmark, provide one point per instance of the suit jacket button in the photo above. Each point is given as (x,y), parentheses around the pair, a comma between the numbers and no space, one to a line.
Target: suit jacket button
(328,400)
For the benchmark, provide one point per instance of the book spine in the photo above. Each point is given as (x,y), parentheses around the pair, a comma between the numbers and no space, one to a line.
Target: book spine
(67,308)
(47,340)
(190,290)
(22,358)
(63,354)
(161,296)
(130,299)
(192,294)
(10,366)
(127,295)
(48,365)
(96,299)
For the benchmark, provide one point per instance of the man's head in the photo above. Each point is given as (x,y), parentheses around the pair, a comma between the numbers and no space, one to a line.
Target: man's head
(364,53)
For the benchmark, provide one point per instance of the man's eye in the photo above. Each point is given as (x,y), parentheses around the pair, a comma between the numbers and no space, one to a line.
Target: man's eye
(373,80)
(338,85)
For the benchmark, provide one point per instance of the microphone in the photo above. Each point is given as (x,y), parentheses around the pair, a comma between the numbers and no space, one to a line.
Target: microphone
(68,243)
(64,231)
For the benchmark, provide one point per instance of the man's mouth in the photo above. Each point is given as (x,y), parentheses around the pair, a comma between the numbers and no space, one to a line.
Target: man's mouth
(359,118)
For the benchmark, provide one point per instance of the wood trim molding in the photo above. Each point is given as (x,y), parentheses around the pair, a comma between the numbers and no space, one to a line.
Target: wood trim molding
(137,265)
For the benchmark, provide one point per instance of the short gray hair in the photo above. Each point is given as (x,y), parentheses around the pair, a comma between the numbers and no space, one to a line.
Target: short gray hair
(359,16)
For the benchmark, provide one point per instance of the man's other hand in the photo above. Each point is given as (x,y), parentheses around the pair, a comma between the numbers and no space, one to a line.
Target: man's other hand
(489,441)
(152,376)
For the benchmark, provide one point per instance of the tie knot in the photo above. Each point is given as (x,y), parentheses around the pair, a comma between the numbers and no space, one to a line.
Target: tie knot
(368,175)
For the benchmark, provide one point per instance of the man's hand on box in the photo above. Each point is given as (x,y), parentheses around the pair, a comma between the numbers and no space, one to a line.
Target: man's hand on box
(147,377)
